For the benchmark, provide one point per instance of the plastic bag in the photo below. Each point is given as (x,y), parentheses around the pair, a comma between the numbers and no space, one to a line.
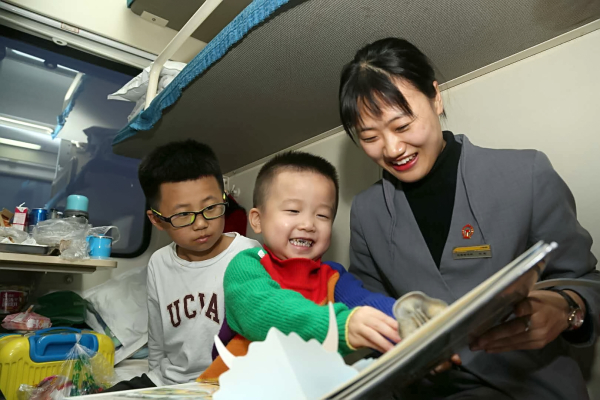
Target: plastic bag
(69,235)
(48,389)
(54,231)
(64,308)
(26,321)
(74,249)
(12,235)
(84,372)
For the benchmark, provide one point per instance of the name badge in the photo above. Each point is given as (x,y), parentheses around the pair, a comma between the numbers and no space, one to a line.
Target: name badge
(483,251)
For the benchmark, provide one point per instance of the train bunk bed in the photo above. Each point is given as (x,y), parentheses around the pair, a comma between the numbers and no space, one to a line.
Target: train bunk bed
(269,80)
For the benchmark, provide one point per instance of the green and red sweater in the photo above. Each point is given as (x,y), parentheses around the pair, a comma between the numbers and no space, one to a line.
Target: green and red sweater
(262,291)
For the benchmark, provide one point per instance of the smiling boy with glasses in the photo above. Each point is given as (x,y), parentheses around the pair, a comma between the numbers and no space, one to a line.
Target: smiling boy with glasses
(183,185)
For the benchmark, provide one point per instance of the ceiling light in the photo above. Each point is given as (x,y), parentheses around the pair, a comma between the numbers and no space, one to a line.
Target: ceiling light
(27,55)
(41,60)
(42,128)
(20,144)
(67,68)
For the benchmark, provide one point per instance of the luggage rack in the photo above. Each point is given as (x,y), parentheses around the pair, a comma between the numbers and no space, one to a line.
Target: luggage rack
(37,263)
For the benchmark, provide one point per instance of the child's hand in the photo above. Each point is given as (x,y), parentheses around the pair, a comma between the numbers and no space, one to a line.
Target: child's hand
(369,327)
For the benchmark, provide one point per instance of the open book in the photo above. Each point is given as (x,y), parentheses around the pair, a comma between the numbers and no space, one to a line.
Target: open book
(451,330)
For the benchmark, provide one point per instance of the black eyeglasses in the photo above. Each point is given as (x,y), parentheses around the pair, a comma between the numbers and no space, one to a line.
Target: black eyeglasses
(187,218)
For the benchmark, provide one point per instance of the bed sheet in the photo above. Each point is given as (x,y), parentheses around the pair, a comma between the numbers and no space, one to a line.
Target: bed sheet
(128,369)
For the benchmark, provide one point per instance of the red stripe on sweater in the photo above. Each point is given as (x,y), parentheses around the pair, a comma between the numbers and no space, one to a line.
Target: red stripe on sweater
(310,278)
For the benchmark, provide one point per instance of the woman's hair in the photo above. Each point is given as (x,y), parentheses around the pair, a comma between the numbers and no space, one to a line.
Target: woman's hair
(370,80)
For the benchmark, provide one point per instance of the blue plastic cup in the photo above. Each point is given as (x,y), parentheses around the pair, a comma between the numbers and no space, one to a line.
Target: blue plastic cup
(100,246)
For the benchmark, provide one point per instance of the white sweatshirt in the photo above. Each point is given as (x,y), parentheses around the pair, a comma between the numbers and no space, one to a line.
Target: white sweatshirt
(185,311)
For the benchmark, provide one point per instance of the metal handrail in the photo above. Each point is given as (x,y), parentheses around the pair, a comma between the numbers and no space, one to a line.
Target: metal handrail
(190,27)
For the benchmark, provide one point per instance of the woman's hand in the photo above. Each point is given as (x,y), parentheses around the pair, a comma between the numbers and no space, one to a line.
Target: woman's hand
(369,327)
(454,360)
(540,318)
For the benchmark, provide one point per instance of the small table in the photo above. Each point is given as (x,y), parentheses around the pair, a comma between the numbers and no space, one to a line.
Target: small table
(30,262)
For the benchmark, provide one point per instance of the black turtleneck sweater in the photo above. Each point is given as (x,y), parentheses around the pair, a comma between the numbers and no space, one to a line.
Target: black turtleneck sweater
(432,198)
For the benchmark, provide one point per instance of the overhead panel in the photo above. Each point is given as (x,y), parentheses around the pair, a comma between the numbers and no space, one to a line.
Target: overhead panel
(176,14)
(278,86)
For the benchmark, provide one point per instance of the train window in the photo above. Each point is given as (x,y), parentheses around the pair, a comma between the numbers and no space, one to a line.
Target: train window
(41,84)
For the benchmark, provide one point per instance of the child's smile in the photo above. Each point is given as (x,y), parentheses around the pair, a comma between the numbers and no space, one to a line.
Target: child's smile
(307,243)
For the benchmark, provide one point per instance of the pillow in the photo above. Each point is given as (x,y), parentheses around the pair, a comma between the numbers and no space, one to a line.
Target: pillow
(135,89)
(121,304)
